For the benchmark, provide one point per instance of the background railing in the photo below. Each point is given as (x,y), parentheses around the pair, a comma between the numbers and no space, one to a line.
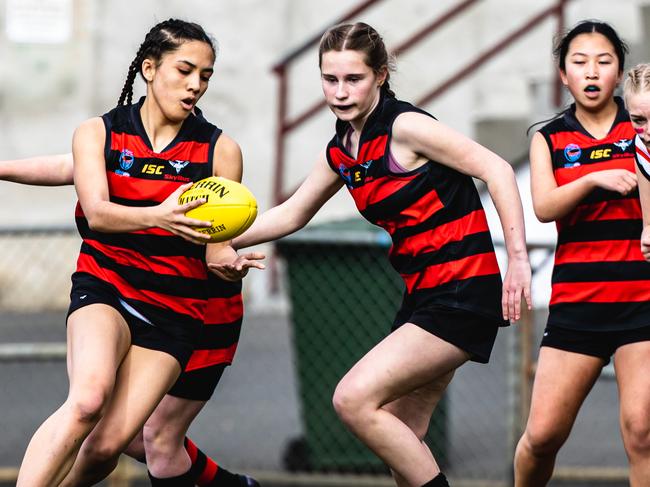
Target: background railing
(286,125)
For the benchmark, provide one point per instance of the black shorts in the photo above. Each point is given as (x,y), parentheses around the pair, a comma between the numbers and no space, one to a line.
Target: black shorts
(601,344)
(175,339)
(469,331)
(198,384)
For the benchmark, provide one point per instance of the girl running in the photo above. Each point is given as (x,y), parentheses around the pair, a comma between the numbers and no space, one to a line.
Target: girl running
(412,176)
(582,177)
(215,350)
(139,293)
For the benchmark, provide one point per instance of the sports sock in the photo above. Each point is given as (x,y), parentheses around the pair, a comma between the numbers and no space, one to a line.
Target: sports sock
(438,481)
(206,473)
(185,480)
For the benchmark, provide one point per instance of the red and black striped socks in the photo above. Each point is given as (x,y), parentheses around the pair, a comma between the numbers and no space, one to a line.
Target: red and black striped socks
(206,473)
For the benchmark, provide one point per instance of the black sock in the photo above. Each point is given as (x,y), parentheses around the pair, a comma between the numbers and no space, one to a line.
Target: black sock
(438,481)
(185,480)
(228,479)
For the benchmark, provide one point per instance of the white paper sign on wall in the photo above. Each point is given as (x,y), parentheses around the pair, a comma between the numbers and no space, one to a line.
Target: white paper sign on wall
(39,21)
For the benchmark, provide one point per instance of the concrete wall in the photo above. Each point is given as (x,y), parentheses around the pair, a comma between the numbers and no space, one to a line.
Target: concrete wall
(48,89)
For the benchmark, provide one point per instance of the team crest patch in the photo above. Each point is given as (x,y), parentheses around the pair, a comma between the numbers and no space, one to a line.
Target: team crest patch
(344,171)
(572,152)
(126,159)
(178,165)
(623,144)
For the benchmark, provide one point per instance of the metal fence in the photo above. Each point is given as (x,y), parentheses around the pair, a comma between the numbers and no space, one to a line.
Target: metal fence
(272,413)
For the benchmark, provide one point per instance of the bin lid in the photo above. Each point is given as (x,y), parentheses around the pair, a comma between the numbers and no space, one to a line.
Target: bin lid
(353,231)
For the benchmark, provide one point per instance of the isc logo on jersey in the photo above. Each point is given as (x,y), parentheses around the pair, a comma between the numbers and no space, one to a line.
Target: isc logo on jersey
(152,169)
(600,153)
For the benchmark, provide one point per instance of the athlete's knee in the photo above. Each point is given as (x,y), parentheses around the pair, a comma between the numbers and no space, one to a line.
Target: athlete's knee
(542,442)
(351,402)
(636,433)
(88,403)
(102,451)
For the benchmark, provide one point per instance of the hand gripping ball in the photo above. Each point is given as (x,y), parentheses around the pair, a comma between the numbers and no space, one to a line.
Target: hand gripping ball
(229,206)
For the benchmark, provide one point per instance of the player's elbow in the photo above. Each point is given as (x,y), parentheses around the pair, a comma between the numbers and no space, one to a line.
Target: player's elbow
(499,176)
(95,224)
(543,218)
(97,221)
(544,213)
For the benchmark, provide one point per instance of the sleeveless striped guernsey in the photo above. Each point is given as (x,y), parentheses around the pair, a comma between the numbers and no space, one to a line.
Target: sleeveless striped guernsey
(442,246)
(160,275)
(222,325)
(600,280)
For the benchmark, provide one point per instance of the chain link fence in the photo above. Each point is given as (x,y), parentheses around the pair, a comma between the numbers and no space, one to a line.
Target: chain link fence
(36,266)
(271,414)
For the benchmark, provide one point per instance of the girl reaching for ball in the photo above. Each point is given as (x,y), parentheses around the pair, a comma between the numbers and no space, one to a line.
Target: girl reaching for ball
(165,442)
(582,177)
(139,292)
(412,176)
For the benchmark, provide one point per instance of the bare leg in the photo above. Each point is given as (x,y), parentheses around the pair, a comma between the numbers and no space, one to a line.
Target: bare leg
(164,435)
(408,359)
(98,338)
(135,449)
(143,379)
(415,410)
(633,377)
(563,380)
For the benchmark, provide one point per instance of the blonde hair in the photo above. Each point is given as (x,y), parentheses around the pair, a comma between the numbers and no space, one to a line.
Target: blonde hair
(637,80)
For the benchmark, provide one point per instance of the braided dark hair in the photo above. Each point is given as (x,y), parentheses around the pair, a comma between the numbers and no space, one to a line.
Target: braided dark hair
(162,38)
(363,38)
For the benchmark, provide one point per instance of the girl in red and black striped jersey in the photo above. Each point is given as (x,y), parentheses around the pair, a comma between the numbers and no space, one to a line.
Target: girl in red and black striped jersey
(637,100)
(139,293)
(582,177)
(215,350)
(412,176)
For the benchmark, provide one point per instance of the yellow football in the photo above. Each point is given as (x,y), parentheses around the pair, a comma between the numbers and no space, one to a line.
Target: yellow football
(229,206)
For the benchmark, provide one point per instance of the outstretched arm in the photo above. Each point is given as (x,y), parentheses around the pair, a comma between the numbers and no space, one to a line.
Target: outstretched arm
(321,184)
(424,136)
(50,170)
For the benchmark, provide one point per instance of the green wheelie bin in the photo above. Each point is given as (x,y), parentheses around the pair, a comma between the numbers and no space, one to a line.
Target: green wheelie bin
(344,295)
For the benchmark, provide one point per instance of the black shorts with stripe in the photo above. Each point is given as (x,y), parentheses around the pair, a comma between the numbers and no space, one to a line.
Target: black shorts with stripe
(601,344)
(177,340)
